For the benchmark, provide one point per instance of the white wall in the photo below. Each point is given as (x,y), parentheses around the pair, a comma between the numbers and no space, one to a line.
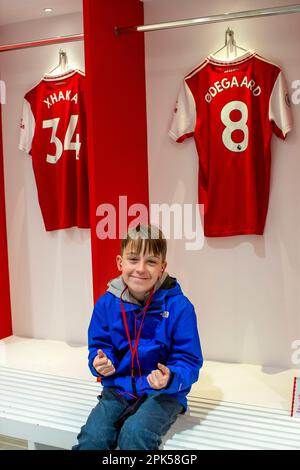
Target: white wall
(245,288)
(50,273)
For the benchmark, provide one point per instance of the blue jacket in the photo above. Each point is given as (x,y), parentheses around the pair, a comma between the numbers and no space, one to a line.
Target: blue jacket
(169,336)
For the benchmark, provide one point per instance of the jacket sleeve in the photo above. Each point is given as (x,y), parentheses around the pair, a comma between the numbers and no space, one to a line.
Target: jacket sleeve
(99,336)
(185,360)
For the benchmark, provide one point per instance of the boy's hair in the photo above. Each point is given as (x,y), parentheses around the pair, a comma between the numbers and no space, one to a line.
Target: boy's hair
(148,238)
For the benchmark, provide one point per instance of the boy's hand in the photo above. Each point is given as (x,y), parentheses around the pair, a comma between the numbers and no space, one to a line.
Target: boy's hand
(159,378)
(103,365)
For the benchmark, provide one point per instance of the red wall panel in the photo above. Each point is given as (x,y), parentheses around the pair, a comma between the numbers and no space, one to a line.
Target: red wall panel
(5,312)
(117,130)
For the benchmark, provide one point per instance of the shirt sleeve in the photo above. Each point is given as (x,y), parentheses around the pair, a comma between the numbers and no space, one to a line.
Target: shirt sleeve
(184,117)
(185,360)
(280,108)
(27,127)
(99,337)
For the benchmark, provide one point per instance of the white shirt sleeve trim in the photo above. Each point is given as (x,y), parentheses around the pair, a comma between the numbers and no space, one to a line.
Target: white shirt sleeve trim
(27,128)
(184,118)
(279,105)
(172,135)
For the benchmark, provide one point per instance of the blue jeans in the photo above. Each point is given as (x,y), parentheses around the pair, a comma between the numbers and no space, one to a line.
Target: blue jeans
(140,431)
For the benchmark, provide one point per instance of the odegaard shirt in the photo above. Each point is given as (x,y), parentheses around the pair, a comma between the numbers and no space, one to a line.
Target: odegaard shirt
(231,110)
(53,132)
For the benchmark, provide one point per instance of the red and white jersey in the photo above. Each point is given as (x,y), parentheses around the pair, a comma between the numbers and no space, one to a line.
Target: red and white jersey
(53,132)
(231,109)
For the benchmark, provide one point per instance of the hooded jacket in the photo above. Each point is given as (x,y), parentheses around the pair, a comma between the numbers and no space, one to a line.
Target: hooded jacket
(169,335)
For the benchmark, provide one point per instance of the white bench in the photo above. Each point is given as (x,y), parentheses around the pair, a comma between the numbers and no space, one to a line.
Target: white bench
(43,408)
(49,410)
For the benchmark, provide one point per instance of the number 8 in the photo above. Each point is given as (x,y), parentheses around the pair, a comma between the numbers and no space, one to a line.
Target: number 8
(234,125)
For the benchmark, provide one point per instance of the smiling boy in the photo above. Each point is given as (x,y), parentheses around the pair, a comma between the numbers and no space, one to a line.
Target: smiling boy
(144,344)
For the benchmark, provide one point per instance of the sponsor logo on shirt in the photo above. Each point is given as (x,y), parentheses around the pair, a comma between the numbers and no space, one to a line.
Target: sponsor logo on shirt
(231,70)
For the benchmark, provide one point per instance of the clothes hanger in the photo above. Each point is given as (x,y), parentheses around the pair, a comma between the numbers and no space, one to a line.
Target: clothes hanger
(230,44)
(62,66)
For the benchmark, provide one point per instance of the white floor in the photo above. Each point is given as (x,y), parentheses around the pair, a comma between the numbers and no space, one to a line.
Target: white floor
(224,383)
(7,443)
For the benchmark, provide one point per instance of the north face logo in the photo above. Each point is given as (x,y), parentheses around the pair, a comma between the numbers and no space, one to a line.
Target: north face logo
(165,314)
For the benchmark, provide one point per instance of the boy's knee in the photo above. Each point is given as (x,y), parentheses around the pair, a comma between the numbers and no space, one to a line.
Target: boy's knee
(90,440)
(136,436)
(132,427)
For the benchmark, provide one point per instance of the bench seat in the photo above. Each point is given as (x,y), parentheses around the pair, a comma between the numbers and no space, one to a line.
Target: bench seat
(50,410)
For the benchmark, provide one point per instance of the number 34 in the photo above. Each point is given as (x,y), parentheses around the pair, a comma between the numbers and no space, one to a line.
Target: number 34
(68,144)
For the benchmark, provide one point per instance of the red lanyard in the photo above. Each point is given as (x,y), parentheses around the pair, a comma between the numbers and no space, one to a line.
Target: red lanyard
(133,350)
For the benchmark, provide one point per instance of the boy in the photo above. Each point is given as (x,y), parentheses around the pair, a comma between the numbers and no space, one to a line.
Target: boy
(144,344)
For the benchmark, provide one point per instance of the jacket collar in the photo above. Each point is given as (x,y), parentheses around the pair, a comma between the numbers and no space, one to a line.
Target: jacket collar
(167,286)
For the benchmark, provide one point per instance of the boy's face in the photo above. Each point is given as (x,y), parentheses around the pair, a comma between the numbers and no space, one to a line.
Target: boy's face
(140,272)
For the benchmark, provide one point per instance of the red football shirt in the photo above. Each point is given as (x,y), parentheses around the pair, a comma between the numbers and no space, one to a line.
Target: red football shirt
(53,132)
(231,109)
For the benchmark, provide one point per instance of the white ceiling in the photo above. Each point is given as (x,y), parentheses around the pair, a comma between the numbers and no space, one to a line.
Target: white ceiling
(14,11)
